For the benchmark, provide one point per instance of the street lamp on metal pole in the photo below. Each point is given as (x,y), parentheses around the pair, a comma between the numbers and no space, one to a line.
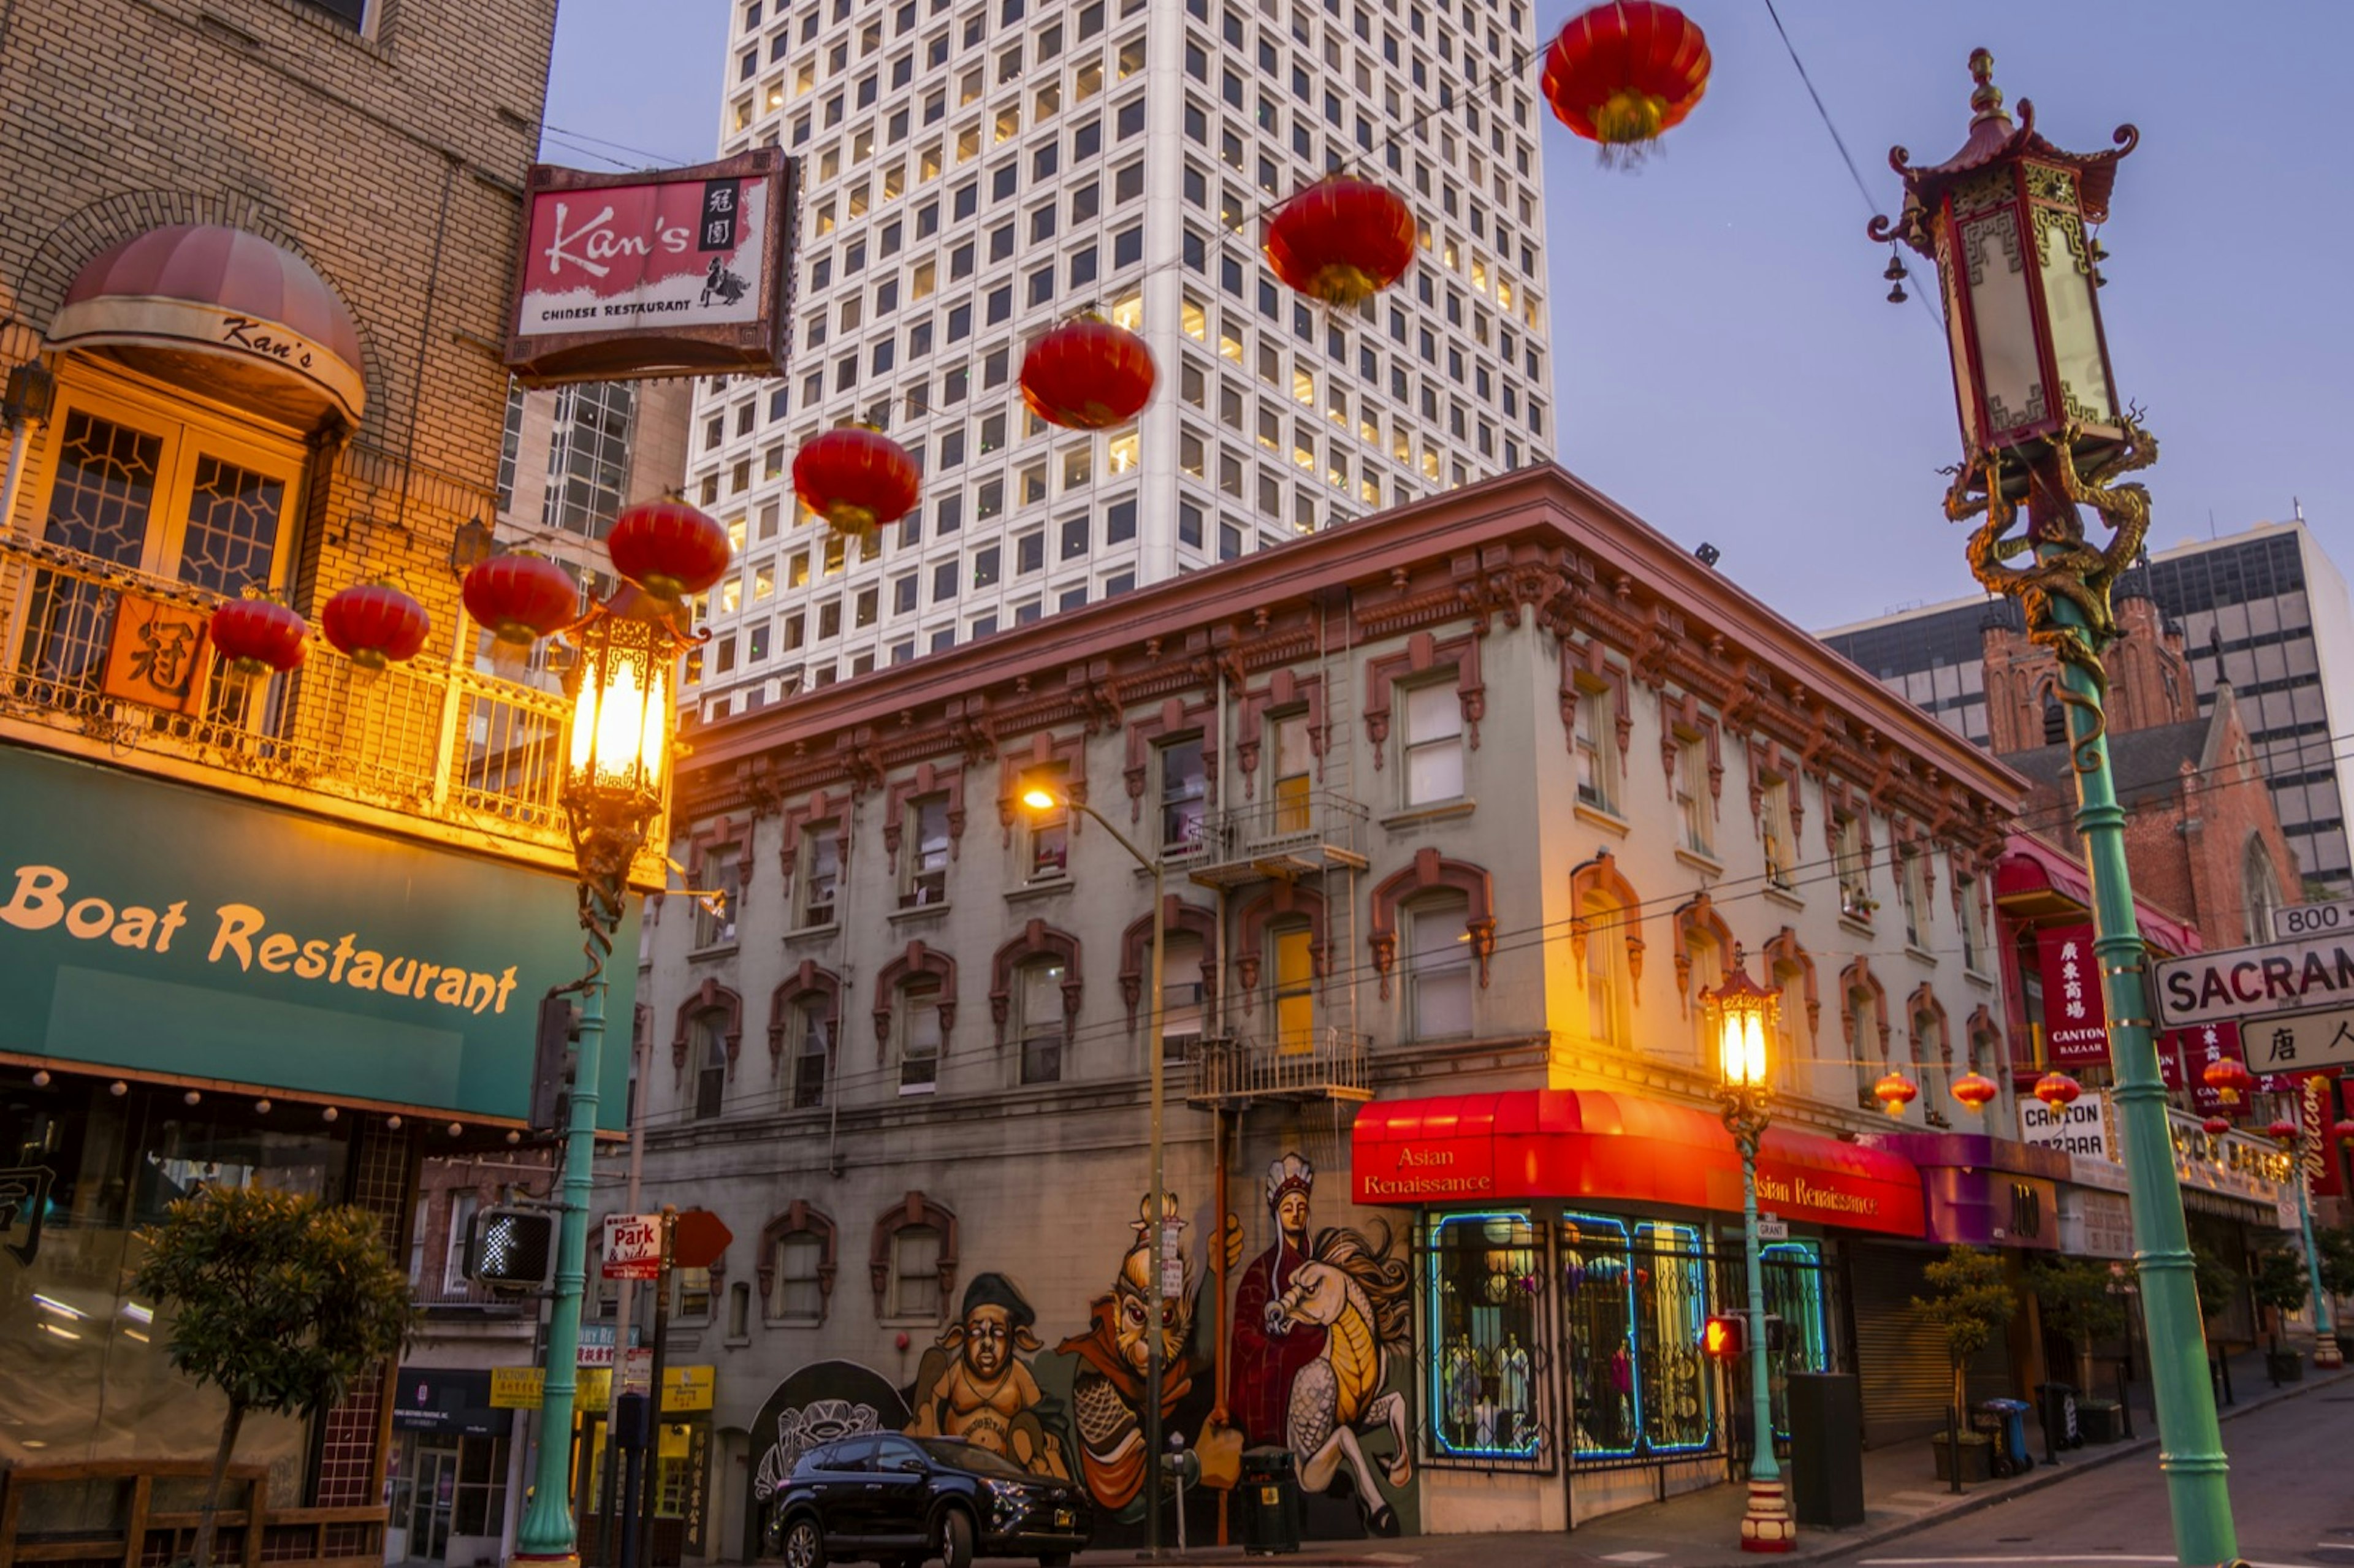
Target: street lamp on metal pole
(1156,1216)
(1744,1012)
(616,783)
(2326,1355)
(2010,223)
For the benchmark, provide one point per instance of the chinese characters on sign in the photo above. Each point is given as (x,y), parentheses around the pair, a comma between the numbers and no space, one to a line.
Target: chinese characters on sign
(2075,1028)
(158,654)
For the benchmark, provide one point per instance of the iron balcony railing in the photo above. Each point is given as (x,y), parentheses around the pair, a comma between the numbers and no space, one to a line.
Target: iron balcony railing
(426,740)
(1286,834)
(1326,1064)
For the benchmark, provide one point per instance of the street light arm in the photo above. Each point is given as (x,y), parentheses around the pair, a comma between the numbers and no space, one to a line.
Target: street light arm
(1119,837)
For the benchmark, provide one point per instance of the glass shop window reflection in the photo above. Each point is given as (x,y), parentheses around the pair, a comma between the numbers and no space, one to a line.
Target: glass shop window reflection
(1485,1278)
(1635,1294)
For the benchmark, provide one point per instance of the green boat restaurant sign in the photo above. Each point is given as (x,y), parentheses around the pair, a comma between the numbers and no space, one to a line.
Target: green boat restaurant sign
(148,927)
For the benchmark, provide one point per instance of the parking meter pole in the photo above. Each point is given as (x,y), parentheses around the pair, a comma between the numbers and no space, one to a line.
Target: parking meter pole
(651,1493)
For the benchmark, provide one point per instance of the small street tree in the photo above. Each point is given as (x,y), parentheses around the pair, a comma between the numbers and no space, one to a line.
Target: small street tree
(2336,1259)
(1970,1302)
(2218,1282)
(2078,1302)
(280,1301)
(2280,1283)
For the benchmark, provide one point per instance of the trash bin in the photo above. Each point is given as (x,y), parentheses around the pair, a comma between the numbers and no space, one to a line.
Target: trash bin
(1269,1495)
(2005,1422)
(1826,1468)
(2060,1414)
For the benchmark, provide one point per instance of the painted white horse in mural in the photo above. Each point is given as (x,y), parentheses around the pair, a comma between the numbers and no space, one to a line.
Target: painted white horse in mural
(1339,1392)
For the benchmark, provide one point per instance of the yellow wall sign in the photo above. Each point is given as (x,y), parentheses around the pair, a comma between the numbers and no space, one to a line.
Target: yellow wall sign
(684,1389)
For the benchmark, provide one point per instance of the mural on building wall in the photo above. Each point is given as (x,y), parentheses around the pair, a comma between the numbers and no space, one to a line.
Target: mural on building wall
(1316,1325)
(1322,1319)
(972,1384)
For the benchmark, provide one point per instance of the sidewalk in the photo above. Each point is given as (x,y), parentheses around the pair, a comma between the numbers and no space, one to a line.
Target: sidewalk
(1702,1530)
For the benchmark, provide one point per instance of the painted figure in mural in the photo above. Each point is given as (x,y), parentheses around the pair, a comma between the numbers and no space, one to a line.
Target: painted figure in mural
(972,1384)
(1270,1348)
(1356,1292)
(1107,1391)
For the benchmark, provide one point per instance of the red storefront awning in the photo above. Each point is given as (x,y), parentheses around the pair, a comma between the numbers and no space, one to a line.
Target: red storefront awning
(2035,881)
(1594,1146)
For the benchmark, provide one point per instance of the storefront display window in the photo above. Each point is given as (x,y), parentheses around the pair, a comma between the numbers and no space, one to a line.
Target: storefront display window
(1796,1289)
(1635,1293)
(1484,1276)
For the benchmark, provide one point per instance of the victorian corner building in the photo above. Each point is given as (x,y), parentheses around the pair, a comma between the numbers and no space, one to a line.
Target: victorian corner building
(284,928)
(1461,809)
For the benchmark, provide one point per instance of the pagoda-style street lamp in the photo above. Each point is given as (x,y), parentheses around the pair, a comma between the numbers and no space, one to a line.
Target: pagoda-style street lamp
(1744,1012)
(616,783)
(2008,221)
(2290,1137)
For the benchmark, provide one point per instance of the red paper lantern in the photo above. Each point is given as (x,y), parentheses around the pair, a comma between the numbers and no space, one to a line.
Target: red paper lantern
(668,548)
(257,633)
(1895,1092)
(521,597)
(1976,1090)
(2282,1131)
(2229,1077)
(2341,1130)
(2058,1090)
(1620,74)
(857,479)
(1088,375)
(2216,1125)
(1342,240)
(372,624)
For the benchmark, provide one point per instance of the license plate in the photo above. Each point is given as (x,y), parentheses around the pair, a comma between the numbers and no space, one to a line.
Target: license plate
(1062,1518)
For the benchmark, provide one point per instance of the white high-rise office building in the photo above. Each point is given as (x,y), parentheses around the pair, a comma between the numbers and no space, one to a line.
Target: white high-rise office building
(975,170)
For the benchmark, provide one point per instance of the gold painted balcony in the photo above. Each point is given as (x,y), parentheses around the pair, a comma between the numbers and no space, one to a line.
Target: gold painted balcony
(426,749)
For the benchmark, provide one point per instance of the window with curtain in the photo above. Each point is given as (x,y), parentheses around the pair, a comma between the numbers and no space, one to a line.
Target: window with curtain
(821,878)
(1707,974)
(711,1066)
(914,1289)
(1778,839)
(1609,1000)
(919,1039)
(1184,793)
(798,1296)
(1040,987)
(1597,756)
(925,853)
(715,914)
(813,1053)
(1292,785)
(1295,990)
(1181,991)
(1438,967)
(1433,744)
(1695,807)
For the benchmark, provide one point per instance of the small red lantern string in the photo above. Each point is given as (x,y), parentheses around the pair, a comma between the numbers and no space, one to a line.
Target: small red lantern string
(256,633)
(2229,1078)
(1088,375)
(1895,1092)
(2282,1131)
(375,623)
(1975,1091)
(521,597)
(858,480)
(668,548)
(1342,240)
(2058,1090)
(2216,1125)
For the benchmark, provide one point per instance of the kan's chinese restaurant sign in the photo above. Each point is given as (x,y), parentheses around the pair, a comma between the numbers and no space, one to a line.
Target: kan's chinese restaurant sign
(675,272)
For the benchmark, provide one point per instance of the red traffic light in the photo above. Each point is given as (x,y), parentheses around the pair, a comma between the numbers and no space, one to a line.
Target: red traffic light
(1724,1338)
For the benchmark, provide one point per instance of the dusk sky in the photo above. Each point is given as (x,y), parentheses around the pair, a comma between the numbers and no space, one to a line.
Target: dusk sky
(1726,363)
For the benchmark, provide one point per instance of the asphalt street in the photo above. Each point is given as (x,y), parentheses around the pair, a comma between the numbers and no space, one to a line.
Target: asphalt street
(2290,1500)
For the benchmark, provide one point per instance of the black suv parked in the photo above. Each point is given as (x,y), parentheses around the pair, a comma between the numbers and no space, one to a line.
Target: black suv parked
(900,1501)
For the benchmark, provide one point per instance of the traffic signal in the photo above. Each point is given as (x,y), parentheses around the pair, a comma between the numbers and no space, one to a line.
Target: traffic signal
(551,1060)
(511,1249)
(1724,1338)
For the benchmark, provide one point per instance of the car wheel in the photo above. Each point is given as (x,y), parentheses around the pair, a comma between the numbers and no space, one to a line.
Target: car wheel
(955,1539)
(804,1546)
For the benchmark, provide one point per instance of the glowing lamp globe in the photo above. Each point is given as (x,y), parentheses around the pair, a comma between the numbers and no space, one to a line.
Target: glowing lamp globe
(1622,73)
(668,548)
(857,479)
(1342,240)
(521,597)
(1975,1091)
(257,633)
(2058,1090)
(1895,1092)
(374,624)
(1088,375)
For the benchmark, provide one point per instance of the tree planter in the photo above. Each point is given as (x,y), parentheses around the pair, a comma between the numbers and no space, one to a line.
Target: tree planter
(2284,1366)
(2100,1420)
(2345,1345)
(1978,1454)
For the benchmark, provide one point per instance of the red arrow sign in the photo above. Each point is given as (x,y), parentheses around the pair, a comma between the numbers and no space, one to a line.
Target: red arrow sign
(699,1239)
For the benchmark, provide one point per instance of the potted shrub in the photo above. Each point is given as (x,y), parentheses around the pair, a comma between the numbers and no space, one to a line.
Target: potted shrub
(2078,1300)
(2280,1283)
(1969,1302)
(2336,1262)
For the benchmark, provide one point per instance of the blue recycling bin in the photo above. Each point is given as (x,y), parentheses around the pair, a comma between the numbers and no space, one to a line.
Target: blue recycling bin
(2006,1422)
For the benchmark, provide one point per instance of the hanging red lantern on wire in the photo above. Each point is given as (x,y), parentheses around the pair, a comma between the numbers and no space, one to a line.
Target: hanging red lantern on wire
(521,597)
(1342,240)
(2058,1090)
(1895,1092)
(668,548)
(2229,1078)
(1975,1091)
(2283,1131)
(1622,73)
(858,480)
(2341,1130)
(257,633)
(374,624)
(2216,1125)
(1088,375)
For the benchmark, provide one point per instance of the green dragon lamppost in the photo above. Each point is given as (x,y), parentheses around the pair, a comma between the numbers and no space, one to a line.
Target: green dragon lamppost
(2009,222)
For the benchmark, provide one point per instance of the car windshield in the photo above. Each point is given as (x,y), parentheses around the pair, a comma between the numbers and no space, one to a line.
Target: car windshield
(980,1461)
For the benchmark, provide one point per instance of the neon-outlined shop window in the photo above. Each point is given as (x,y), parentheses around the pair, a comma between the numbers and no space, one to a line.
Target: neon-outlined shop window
(1633,1300)
(1798,1336)
(1484,1279)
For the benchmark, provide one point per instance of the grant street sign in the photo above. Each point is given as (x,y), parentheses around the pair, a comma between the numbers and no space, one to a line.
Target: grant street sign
(2314,975)
(2299,1044)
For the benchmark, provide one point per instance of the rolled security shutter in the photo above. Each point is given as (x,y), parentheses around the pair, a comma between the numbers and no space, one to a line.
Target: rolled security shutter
(1901,1365)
